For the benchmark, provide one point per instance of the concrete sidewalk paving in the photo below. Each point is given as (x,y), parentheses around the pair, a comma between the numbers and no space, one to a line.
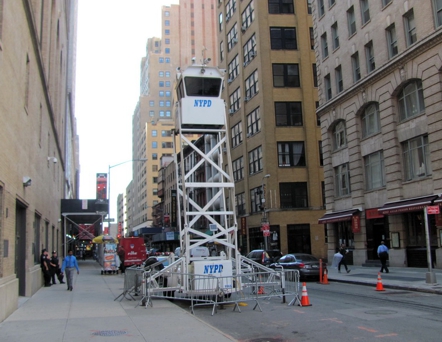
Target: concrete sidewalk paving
(90,312)
(407,278)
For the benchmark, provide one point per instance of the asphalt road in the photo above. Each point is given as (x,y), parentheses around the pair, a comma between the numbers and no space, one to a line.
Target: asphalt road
(339,312)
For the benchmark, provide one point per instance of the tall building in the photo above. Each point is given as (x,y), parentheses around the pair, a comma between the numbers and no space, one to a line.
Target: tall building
(39,143)
(268,51)
(378,65)
(187,33)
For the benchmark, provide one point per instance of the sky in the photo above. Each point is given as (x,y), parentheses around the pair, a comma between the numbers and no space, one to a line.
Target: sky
(111,40)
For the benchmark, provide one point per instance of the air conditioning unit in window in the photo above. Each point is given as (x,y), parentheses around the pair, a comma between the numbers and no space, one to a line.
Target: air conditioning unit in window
(230,80)
(252,54)
(244,28)
(227,17)
(234,40)
(246,98)
(245,64)
(231,111)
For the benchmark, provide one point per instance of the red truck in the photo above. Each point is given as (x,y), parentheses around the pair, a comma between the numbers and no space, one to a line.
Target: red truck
(132,250)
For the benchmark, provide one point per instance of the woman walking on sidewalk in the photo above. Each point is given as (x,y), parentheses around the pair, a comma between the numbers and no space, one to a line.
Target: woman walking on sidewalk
(70,264)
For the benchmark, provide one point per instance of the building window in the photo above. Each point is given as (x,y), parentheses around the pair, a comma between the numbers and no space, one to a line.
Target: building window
(374,171)
(369,55)
(385,2)
(161,103)
(416,158)
(161,59)
(230,9)
(167,59)
(324,45)
(342,180)
(331,3)
(315,76)
(161,94)
(392,41)
(151,113)
(232,37)
(221,51)
(233,68)
(249,50)
(167,84)
(168,103)
(370,120)
(166,22)
(255,199)
(248,16)
(154,156)
(338,78)
(410,28)
(285,75)
(351,21)
(255,160)
(168,93)
(167,41)
(291,154)
(321,8)
(437,9)
(309,6)
(238,169)
(253,122)
(167,32)
(154,144)
(151,103)
(339,135)
(236,133)
(220,22)
(160,73)
(288,113)
(251,85)
(161,83)
(312,38)
(168,113)
(356,67)
(154,133)
(365,11)
(411,100)
(167,50)
(240,204)
(328,89)
(283,38)
(293,195)
(321,155)
(167,144)
(335,35)
(161,113)
(281,7)
(167,133)
(235,103)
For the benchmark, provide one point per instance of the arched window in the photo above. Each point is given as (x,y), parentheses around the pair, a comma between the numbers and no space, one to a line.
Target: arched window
(339,135)
(411,100)
(370,120)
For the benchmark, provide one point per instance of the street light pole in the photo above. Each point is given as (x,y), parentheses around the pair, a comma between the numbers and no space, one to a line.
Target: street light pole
(109,183)
(264,213)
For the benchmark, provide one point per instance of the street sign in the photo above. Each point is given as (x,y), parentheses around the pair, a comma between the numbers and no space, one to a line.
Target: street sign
(213,227)
(109,220)
(266,233)
(265,226)
(432,210)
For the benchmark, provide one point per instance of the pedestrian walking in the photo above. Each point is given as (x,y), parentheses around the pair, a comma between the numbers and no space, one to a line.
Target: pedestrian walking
(55,269)
(70,264)
(383,256)
(343,251)
(45,267)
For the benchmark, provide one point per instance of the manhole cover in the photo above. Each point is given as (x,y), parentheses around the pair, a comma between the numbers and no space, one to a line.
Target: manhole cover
(381,312)
(109,333)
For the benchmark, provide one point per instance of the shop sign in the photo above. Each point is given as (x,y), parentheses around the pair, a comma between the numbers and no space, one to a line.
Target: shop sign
(356,223)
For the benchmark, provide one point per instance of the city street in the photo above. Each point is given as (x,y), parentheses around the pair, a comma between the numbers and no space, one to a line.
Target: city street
(339,312)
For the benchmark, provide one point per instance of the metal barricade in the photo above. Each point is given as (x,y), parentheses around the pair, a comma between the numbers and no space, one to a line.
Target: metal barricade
(132,283)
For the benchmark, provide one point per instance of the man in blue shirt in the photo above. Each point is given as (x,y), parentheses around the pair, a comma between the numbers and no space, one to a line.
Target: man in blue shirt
(383,255)
(70,264)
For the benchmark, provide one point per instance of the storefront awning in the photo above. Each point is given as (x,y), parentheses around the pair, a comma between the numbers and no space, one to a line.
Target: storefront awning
(338,216)
(408,205)
(147,231)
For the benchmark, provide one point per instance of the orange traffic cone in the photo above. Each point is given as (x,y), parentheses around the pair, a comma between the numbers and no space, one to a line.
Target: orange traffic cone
(304,299)
(379,286)
(325,278)
(261,290)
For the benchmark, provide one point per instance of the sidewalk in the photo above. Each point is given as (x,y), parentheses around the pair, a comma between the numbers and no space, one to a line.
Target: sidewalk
(412,279)
(89,313)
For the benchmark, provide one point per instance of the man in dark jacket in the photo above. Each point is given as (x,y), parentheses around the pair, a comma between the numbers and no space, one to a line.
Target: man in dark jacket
(45,267)
(343,250)
(55,269)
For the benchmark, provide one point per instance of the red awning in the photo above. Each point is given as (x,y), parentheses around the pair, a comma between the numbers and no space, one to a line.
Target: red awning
(338,216)
(408,205)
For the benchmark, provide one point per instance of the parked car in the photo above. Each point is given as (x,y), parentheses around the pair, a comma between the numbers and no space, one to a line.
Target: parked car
(306,264)
(264,257)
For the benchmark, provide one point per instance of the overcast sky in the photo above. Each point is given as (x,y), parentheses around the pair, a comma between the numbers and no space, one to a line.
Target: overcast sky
(111,41)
